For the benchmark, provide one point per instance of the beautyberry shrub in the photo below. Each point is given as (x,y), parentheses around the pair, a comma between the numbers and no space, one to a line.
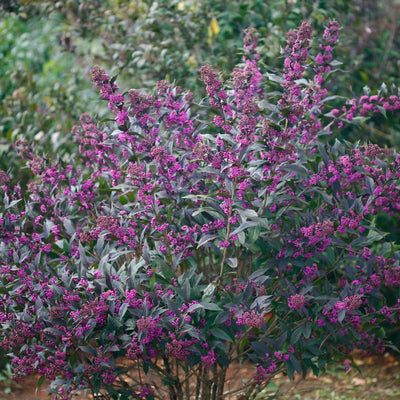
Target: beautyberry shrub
(182,237)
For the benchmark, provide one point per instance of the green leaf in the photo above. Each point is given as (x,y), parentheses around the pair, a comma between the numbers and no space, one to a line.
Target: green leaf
(323,153)
(113,79)
(89,350)
(208,210)
(307,330)
(69,226)
(232,262)
(324,195)
(152,281)
(209,290)
(335,63)
(299,169)
(186,290)
(40,381)
(296,335)
(290,370)
(247,213)
(194,307)
(211,306)
(123,200)
(12,204)
(242,238)
(254,233)
(66,246)
(73,359)
(167,272)
(372,237)
(275,78)
(296,363)
(257,274)
(221,334)
(263,104)
(341,315)
(206,238)
(370,184)
(315,369)
(243,226)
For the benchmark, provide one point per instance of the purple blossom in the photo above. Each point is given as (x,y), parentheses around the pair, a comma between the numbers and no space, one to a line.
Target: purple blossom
(296,302)
(250,319)
(209,359)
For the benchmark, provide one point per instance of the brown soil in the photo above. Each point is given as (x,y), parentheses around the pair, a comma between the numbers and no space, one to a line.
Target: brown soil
(378,379)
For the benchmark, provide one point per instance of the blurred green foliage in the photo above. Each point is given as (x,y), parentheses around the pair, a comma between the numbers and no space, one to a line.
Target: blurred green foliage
(173,38)
(42,90)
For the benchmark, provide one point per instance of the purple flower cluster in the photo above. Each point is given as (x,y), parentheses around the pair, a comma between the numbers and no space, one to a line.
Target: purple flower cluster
(251,319)
(296,302)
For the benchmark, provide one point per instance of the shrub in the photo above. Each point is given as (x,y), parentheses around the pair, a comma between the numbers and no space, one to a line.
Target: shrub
(183,236)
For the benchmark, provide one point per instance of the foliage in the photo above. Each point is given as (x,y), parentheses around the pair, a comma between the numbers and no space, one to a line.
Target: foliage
(180,235)
(170,37)
(147,41)
(6,378)
(42,91)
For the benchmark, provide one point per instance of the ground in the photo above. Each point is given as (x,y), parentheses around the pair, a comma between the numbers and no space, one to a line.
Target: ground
(378,379)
